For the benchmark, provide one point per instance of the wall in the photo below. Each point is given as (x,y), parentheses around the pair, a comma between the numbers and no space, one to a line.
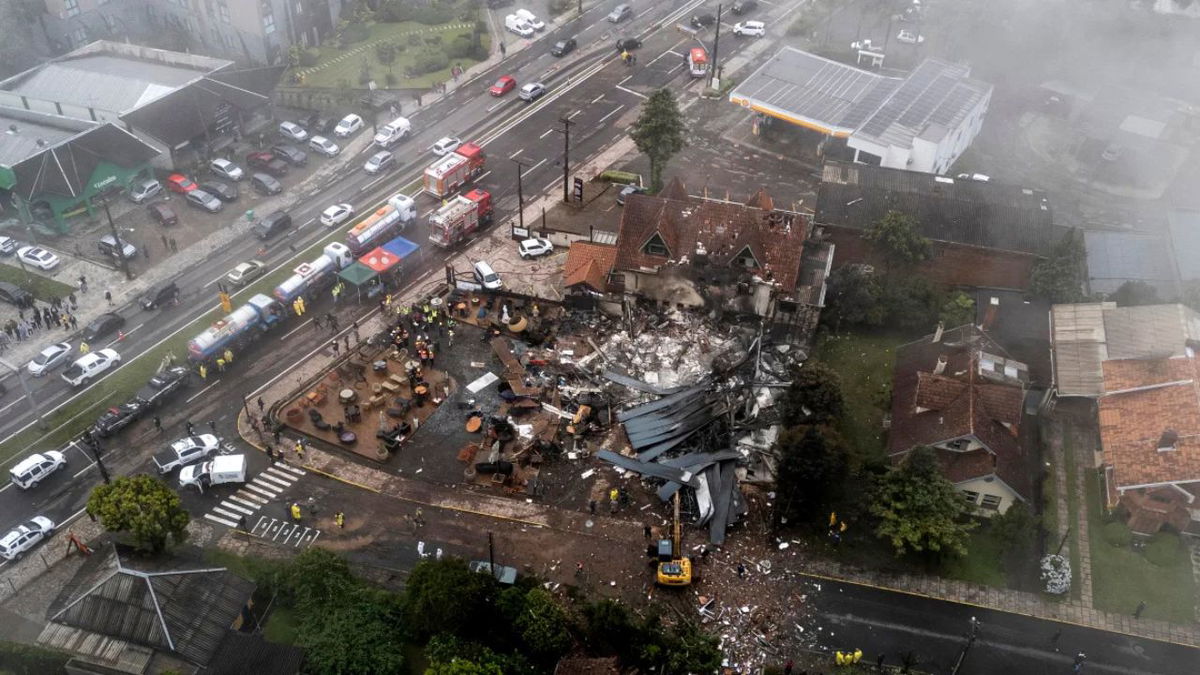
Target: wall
(985,487)
(952,264)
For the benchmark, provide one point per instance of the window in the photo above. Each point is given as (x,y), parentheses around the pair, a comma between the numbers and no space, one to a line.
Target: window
(746,259)
(656,246)
(268,23)
(959,444)
(971,497)
(72,7)
(991,502)
(223,10)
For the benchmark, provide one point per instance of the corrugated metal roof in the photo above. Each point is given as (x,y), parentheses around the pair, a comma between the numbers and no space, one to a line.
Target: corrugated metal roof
(1185,239)
(1116,257)
(1077,338)
(937,94)
(1149,331)
(104,82)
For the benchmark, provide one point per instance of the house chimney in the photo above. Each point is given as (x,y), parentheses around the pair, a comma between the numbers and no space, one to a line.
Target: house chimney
(1167,441)
(989,315)
(937,334)
(941,365)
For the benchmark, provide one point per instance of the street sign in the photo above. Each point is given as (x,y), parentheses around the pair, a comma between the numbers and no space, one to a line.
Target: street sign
(579,189)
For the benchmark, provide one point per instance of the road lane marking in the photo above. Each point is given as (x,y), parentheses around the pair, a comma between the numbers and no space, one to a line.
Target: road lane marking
(630,91)
(215,280)
(84,470)
(614,112)
(625,80)
(548,132)
(485,175)
(247,502)
(574,114)
(496,106)
(197,394)
(514,155)
(526,171)
(297,328)
(597,99)
(12,404)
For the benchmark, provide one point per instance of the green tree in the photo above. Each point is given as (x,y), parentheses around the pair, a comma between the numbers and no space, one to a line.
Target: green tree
(1017,528)
(690,650)
(144,506)
(543,626)
(659,133)
(1133,293)
(1059,277)
(919,510)
(814,396)
(385,53)
(896,238)
(353,633)
(957,310)
(443,596)
(909,302)
(449,655)
(317,578)
(810,471)
(853,299)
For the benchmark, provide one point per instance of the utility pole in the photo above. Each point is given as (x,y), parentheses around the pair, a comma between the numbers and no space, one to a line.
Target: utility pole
(371,105)
(117,239)
(972,634)
(92,442)
(33,404)
(566,158)
(520,193)
(712,74)
(492,556)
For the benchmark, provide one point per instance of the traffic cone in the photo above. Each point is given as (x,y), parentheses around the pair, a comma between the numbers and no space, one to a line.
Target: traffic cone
(120,335)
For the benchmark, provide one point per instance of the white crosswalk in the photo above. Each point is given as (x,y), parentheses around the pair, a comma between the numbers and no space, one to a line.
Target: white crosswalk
(254,495)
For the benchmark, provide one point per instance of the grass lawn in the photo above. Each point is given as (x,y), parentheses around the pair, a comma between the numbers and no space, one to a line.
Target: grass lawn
(1123,577)
(1072,518)
(334,73)
(41,287)
(864,361)
(983,563)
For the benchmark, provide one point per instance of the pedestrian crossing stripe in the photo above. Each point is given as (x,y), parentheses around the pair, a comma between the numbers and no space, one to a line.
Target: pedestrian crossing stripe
(272,481)
(228,504)
(209,516)
(241,499)
(255,495)
(288,469)
(270,494)
(221,511)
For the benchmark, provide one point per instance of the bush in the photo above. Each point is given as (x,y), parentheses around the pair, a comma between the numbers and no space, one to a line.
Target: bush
(310,57)
(391,79)
(394,11)
(560,6)
(460,48)
(433,15)
(430,62)
(1163,549)
(355,32)
(1117,533)
(22,658)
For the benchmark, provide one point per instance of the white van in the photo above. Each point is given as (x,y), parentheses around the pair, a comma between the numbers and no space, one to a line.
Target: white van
(518,25)
(34,468)
(218,470)
(487,277)
(393,132)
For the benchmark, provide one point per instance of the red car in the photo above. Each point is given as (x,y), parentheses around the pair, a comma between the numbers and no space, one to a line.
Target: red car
(180,183)
(503,86)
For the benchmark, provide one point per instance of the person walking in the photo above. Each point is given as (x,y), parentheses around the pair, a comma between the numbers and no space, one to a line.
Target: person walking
(1137,613)
(174,246)
(212,426)
(336,346)
(354,325)
(191,428)
(340,519)
(332,320)
(108,297)
(74,322)
(1055,638)
(74,301)
(82,284)
(300,449)
(741,571)
(646,531)
(84,348)
(787,667)
(261,405)
(276,436)
(229,356)
(295,512)
(166,244)
(419,518)
(220,364)
(592,506)
(157,424)
(203,372)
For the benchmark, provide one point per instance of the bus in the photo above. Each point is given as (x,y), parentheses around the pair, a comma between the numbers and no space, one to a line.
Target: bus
(697,62)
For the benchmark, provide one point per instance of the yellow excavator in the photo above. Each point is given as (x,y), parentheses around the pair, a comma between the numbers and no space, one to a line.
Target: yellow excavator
(674,568)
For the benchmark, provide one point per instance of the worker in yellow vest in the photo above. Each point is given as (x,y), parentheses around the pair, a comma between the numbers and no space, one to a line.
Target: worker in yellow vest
(295,512)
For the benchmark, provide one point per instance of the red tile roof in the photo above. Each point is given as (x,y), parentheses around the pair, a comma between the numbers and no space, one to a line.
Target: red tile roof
(1144,399)
(589,264)
(691,226)
(958,403)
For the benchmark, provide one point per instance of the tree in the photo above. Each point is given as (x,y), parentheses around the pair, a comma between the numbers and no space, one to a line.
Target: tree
(145,507)
(1059,277)
(957,310)
(1017,529)
(18,19)
(853,298)
(318,577)
(909,302)
(690,650)
(659,133)
(896,238)
(443,596)
(919,510)
(1133,293)
(814,396)
(449,655)
(809,472)
(543,626)
(353,633)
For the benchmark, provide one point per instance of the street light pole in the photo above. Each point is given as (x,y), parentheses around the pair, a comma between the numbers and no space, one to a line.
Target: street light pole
(520,194)
(972,634)
(33,404)
(94,443)
(117,241)
(566,159)
(712,73)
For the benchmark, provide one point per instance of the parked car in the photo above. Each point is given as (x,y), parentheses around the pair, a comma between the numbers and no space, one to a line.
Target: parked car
(703,20)
(537,23)
(36,467)
(144,190)
(226,169)
(629,190)
(163,214)
(750,29)
(743,6)
(164,294)
(447,144)
(274,223)
(8,245)
(620,13)
(49,358)
(15,295)
(290,154)
(180,183)
(267,163)
(293,132)
(226,192)
(324,146)
(117,418)
(336,215)
(246,272)
(908,37)
(186,451)
(162,386)
(25,536)
(38,257)
(90,366)
(318,123)
(102,325)
(532,91)
(350,125)
(264,184)
(626,44)
(380,161)
(563,47)
(505,84)
(202,200)
(515,24)
(535,247)
(486,276)
(114,248)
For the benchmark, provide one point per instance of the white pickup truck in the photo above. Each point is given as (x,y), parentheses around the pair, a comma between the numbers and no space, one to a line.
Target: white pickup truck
(218,470)
(186,451)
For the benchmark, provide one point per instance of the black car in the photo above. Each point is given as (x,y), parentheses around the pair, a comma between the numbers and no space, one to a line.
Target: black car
(318,124)
(563,47)
(703,20)
(742,6)
(290,154)
(160,296)
(15,295)
(162,386)
(102,325)
(223,191)
(272,224)
(625,44)
(264,184)
(117,418)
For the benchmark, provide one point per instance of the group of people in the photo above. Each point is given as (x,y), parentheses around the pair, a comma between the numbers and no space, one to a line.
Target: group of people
(58,313)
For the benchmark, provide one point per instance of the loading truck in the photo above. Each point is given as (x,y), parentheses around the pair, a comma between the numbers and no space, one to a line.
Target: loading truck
(382,224)
(454,170)
(460,218)
(316,275)
(220,469)
(246,324)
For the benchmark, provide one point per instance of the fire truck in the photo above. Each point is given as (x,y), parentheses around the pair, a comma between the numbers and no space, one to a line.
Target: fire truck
(454,170)
(460,218)
(697,62)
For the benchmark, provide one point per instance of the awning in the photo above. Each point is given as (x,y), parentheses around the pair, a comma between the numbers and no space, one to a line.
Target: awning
(400,247)
(358,274)
(380,260)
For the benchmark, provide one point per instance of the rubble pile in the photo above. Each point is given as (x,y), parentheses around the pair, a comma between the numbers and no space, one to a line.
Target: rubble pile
(675,352)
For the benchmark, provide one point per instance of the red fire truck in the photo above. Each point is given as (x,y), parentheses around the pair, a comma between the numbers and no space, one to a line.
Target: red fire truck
(454,170)
(460,218)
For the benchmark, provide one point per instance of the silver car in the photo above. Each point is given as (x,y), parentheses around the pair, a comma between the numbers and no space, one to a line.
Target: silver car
(203,200)
(226,169)
(49,358)
(620,13)
(380,161)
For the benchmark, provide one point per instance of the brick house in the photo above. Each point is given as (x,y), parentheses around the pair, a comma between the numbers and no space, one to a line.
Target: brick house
(983,234)
(958,392)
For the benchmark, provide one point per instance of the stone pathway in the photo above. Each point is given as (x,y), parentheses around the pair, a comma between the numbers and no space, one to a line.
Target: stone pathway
(1080,444)
(371,45)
